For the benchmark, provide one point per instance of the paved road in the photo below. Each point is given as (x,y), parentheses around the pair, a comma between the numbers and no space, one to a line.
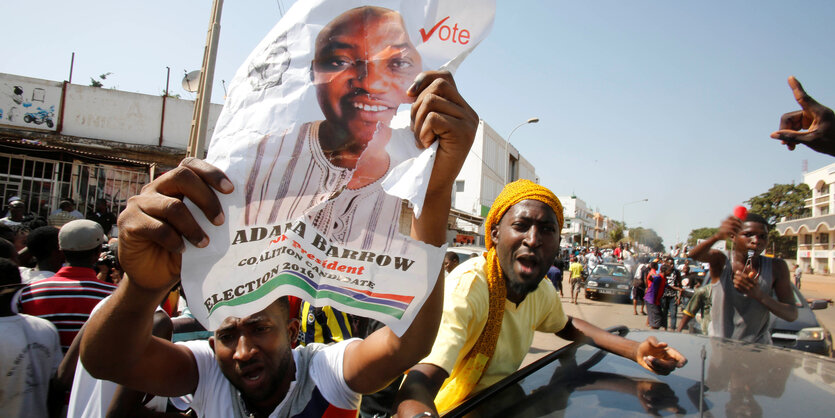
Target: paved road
(607,313)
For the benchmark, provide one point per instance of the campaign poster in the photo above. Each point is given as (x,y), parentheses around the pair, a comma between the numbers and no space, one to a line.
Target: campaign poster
(315,136)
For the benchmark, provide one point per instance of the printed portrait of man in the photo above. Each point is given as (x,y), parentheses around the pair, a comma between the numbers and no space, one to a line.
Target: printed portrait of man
(363,64)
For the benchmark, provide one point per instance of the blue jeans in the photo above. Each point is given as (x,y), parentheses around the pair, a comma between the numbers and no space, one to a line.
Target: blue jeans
(669,309)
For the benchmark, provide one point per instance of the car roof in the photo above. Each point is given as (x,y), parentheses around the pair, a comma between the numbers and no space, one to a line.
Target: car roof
(739,379)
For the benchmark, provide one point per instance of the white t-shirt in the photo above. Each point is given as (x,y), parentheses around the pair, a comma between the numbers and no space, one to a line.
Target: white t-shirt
(212,398)
(91,397)
(29,356)
(28,275)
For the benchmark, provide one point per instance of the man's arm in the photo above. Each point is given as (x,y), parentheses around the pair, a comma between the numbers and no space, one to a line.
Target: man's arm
(702,251)
(438,114)
(117,344)
(784,306)
(814,125)
(652,355)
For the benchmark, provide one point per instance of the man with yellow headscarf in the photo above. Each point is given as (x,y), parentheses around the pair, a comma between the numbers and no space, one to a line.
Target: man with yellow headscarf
(494,303)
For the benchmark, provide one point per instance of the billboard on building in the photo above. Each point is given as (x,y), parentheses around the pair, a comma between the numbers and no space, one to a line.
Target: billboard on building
(29,103)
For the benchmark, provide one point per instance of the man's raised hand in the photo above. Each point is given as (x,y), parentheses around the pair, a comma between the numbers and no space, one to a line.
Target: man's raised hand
(440,113)
(155,222)
(814,125)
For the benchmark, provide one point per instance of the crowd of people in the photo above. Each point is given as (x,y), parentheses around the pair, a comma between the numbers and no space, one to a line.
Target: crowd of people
(108,323)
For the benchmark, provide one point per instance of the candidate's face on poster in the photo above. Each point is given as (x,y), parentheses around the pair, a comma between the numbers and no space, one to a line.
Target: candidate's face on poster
(364,64)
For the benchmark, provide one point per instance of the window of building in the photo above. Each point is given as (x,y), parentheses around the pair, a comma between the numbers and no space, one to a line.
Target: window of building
(807,239)
(824,238)
(459,185)
(824,189)
(824,210)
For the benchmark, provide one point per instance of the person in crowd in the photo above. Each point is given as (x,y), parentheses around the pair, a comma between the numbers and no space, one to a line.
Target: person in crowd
(17,213)
(672,292)
(65,213)
(639,287)
(554,274)
(103,216)
(248,366)
(68,297)
(699,303)
(30,353)
(797,275)
(7,250)
(744,298)
(95,398)
(450,262)
(656,282)
(576,279)
(493,305)
(42,244)
(813,125)
(324,325)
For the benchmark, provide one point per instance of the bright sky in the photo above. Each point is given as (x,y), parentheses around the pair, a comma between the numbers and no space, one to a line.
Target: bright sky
(665,100)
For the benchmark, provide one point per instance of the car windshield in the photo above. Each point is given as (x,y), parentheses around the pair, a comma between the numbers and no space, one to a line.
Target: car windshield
(619,271)
(601,271)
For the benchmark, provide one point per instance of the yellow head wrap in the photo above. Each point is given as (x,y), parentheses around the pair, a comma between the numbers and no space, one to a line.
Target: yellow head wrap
(465,377)
(514,193)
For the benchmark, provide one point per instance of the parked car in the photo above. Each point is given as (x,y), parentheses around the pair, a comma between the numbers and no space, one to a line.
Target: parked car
(721,378)
(611,279)
(805,333)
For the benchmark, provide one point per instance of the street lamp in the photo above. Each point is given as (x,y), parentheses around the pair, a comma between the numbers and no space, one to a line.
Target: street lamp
(623,210)
(507,143)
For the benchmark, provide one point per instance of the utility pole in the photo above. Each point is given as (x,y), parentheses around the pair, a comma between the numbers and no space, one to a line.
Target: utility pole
(199,121)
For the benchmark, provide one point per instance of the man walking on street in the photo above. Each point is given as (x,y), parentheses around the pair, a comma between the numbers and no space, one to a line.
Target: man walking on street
(576,280)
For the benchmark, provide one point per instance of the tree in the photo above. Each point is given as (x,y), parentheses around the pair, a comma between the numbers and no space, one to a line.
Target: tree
(700,233)
(98,82)
(647,237)
(779,201)
(616,234)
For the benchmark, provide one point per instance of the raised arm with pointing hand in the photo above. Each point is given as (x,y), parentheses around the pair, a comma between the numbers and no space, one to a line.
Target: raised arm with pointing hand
(813,126)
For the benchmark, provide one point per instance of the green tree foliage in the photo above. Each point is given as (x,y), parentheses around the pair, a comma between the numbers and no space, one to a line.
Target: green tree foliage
(647,237)
(700,233)
(616,234)
(98,81)
(779,201)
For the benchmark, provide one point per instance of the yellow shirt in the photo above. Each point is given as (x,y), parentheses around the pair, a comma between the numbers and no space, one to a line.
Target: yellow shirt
(465,314)
(576,269)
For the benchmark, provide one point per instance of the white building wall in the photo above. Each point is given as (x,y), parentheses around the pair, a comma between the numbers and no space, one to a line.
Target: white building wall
(98,113)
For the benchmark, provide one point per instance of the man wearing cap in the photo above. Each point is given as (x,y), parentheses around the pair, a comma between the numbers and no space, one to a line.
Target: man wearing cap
(494,303)
(67,298)
(17,212)
(65,213)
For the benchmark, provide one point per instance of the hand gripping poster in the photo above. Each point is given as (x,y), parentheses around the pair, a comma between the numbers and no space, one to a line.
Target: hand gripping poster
(315,136)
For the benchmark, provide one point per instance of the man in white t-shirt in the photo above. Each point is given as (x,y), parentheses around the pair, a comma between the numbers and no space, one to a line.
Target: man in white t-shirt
(248,366)
(29,355)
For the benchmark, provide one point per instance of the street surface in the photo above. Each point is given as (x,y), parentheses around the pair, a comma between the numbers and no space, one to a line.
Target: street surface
(606,313)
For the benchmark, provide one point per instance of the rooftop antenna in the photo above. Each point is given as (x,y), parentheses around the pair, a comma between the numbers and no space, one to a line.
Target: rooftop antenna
(191,81)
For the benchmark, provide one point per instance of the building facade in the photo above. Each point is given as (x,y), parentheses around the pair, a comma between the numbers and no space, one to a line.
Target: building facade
(815,233)
(579,224)
(60,140)
(480,181)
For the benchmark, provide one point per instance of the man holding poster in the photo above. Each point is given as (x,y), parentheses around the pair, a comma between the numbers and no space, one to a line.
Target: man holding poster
(321,161)
(248,367)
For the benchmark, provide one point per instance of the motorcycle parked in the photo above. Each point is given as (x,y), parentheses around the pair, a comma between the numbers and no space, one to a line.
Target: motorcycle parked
(41,116)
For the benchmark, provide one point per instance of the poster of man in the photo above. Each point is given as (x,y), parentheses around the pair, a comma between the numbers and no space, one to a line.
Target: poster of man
(315,135)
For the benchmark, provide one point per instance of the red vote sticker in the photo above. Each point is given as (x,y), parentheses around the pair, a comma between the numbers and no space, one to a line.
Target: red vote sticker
(740,212)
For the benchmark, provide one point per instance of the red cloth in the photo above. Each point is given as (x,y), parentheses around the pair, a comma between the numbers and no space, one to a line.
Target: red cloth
(65,299)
